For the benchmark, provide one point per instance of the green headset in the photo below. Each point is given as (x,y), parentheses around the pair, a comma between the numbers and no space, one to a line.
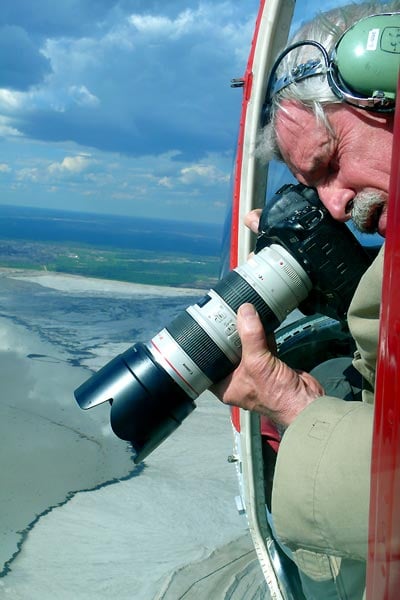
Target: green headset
(362,69)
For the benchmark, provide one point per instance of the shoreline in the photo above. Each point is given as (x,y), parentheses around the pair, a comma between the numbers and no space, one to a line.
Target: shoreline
(65,282)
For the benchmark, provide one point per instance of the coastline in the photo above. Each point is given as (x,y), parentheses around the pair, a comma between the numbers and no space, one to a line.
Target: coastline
(79,284)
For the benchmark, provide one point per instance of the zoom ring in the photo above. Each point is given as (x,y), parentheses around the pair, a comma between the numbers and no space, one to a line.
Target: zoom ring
(235,291)
(198,345)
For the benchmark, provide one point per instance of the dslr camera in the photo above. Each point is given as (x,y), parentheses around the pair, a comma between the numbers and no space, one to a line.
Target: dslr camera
(303,258)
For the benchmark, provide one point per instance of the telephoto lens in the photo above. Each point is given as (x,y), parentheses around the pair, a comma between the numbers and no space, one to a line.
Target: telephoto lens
(153,386)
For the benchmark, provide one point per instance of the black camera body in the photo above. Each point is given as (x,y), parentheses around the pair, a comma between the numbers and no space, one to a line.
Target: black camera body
(330,254)
(303,258)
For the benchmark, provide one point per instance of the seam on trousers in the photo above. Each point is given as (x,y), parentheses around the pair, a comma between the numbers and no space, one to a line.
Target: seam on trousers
(317,524)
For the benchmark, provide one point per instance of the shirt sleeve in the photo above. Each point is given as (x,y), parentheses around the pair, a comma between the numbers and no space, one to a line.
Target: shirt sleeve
(320,496)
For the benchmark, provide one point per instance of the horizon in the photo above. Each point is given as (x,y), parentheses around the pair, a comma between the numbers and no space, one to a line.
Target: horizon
(88,213)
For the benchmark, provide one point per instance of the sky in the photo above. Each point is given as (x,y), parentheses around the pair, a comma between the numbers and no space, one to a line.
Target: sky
(124,106)
(121,106)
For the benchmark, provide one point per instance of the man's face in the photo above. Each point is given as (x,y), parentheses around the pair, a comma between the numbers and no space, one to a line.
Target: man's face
(350,168)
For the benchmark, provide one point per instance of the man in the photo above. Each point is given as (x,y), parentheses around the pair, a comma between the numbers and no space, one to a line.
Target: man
(321,483)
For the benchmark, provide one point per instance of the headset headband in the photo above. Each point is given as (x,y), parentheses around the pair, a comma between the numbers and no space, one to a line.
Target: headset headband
(331,65)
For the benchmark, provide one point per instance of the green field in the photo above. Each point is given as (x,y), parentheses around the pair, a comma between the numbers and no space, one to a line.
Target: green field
(135,266)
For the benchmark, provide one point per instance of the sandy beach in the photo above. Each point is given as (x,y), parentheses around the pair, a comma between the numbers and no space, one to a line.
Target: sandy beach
(89,285)
(78,518)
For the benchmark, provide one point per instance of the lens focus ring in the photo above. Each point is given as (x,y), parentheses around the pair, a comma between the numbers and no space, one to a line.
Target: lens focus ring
(235,291)
(200,347)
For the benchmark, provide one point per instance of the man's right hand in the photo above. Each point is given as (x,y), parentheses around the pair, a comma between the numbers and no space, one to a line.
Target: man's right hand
(262,382)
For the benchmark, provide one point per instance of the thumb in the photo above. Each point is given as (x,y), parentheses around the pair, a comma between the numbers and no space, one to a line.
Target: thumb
(251,332)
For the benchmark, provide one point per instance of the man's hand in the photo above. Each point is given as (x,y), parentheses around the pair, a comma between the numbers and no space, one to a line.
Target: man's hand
(263,383)
(252,219)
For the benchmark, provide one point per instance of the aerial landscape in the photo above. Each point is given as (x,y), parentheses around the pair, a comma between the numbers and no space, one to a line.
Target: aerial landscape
(117,134)
(146,251)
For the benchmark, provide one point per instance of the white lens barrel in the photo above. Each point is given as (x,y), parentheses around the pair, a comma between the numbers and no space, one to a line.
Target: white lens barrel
(202,345)
(219,321)
(278,278)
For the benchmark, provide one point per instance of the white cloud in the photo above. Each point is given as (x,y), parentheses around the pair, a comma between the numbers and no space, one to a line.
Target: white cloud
(7,128)
(82,96)
(10,99)
(71,165)
(208,173)
(28,174)
(164,26)
(4,168)
(154,78)
(149,23)
(166,182)
(7,131)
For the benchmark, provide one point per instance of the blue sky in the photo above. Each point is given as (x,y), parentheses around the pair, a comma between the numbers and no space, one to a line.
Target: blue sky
(121,106)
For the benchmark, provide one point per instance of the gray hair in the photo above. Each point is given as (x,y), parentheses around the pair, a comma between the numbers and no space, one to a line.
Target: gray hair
(314,93)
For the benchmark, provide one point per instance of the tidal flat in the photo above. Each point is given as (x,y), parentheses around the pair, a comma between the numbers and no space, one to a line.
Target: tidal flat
(78,518)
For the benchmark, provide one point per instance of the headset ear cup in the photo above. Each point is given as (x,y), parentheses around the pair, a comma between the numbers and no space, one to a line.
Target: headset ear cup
(365,63)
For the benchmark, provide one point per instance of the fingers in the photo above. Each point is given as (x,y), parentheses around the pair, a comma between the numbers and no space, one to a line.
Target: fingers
(252,219)
(262,382)
(234,389)
(251,332)
(238,389)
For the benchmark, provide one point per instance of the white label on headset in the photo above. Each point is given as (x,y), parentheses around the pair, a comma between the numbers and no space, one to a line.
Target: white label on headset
(373,37)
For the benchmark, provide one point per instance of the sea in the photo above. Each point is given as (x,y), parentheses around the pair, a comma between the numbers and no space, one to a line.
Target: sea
(107,230)
(78,518)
